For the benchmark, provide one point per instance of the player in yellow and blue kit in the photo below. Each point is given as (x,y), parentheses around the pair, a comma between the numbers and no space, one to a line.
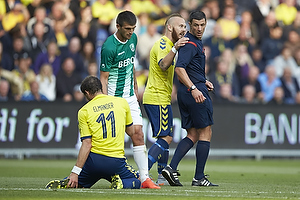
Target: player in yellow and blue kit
(102,125)
(157,95)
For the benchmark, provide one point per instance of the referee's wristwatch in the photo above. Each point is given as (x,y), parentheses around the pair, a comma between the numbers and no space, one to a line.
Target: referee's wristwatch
(192,88)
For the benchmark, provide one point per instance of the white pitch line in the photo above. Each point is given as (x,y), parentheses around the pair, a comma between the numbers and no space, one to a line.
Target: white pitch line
(213,193)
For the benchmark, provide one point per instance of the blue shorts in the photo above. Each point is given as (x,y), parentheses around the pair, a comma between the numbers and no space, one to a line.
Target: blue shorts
(194,115)
(161,119)
(98,166)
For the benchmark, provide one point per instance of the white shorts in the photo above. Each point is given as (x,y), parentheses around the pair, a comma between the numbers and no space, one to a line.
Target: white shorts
(135,110)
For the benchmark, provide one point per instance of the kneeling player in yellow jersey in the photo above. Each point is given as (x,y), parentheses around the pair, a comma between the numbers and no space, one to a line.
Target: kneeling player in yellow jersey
(102,125)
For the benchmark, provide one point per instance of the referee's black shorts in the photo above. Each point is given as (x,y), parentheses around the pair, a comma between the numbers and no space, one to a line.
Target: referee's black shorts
(194,115)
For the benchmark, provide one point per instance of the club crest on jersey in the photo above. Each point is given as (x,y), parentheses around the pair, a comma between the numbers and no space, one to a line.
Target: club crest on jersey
(131,46)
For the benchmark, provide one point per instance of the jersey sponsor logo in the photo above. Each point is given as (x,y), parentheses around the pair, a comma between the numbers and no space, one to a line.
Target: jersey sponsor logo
(126,62)
(131,46)
(121,53)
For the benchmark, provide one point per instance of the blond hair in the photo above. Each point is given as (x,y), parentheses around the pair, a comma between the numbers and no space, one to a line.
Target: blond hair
(46,71)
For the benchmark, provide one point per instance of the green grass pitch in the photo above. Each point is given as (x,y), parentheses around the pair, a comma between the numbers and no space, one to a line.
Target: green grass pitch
(237,179)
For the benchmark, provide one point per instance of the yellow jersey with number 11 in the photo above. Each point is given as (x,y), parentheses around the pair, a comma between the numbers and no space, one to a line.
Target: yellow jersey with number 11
(104,119)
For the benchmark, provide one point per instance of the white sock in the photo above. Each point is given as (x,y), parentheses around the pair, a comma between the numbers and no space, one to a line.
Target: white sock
(140,156)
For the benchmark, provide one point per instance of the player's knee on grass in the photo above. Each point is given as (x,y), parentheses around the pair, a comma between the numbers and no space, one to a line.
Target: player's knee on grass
(131,183)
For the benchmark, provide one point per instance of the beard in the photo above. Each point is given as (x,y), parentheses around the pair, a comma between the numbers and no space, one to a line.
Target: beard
(175,35)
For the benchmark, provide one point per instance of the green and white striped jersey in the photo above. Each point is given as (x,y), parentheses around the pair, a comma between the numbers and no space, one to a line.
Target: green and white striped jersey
(117,58)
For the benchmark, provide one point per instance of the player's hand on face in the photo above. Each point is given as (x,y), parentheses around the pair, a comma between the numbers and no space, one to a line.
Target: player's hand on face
(198,96)
(181,42)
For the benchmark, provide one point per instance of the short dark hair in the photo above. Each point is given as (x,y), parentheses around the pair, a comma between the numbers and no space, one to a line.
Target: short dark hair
(91,84)
(198,15)
(126,17)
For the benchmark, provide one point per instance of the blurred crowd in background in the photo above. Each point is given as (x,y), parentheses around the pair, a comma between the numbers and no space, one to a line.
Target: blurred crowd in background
(47,47)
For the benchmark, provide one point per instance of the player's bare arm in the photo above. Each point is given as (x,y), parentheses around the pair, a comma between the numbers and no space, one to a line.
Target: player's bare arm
(130,130)
(82,156)
(104,81)
(135,84)
(166,62)
(184,78)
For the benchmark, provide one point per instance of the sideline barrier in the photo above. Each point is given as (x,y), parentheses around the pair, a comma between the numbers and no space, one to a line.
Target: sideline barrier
(50,128)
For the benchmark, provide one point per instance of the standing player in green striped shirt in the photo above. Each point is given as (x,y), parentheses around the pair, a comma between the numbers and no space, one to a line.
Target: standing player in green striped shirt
(118,79)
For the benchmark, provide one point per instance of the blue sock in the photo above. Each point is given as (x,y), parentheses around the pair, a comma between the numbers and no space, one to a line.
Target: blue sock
(156,151)
(163,161)
(182,148)
(131,183)
(202,151)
